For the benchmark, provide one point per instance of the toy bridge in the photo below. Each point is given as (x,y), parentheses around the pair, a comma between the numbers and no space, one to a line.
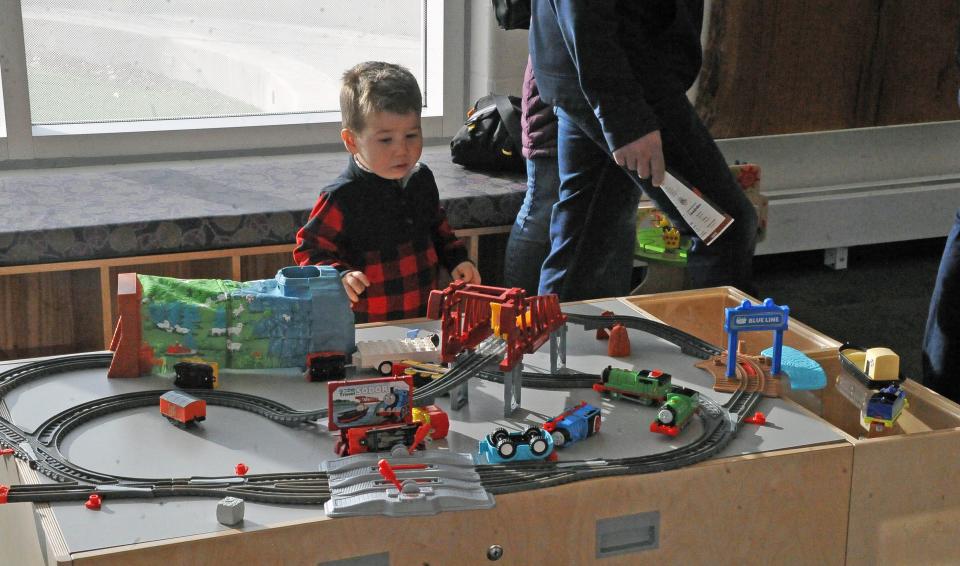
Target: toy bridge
(469,314)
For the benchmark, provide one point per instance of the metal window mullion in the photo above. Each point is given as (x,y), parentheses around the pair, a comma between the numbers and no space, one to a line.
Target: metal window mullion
(13,74)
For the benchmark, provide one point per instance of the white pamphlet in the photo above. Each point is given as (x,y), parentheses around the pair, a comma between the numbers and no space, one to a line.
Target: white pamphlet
(705,219)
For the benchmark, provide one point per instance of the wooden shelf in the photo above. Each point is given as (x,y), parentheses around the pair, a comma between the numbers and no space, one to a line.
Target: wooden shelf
(68,307)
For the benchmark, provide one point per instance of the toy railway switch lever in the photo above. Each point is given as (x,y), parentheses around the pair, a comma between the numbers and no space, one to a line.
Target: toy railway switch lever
(386,470)
(418,439)
(6,451)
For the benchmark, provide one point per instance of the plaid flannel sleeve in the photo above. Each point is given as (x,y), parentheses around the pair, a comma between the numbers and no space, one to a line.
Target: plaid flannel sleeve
(450,249)
(318,240)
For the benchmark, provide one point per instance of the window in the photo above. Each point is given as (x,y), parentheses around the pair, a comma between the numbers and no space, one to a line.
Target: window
(159,68)
(116,60)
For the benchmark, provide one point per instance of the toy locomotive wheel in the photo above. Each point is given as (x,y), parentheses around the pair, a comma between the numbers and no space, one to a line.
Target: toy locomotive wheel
(506,448)
(595,424)
(532,433)
(385,368)
(539,446)
(559,437)
(498,435)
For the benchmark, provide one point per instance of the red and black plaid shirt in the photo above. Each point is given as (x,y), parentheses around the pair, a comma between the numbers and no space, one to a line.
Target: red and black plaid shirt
(396,235)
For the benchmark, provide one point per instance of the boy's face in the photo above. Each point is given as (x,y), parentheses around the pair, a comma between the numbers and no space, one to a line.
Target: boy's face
(390,144)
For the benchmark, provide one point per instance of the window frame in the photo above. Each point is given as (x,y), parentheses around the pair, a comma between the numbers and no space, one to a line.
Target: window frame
(216,135)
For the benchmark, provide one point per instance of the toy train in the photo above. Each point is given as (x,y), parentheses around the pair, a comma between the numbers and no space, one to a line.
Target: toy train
(644,386)
(675,413)
(885,406)
(326,366)
(181,409)
(194,375)
(574,424)
(501,446)
(435,418)
(358,440)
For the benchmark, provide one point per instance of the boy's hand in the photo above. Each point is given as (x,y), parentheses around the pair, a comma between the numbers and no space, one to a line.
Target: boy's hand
(467,272)
(355,282)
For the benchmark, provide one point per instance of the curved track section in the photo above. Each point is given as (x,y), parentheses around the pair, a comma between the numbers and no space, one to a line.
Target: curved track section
(518,477)
(689,344)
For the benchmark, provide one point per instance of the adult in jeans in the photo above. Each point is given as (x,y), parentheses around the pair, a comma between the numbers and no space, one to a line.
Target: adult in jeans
(941,341)
(617,72)
(529,241)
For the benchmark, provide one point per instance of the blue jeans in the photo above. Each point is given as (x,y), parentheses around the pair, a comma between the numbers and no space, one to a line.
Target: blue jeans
(529,241)
(941,341)
(594,222)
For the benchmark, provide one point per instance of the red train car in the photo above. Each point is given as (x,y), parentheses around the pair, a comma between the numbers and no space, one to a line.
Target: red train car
(181,409)
(362,439)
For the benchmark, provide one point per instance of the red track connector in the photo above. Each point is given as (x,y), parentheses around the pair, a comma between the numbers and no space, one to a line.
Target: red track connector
(6,451)
(4,491)
(93,502)
(758,418)
(241,469)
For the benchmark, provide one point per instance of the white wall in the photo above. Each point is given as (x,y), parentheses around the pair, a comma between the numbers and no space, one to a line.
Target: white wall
(496,57)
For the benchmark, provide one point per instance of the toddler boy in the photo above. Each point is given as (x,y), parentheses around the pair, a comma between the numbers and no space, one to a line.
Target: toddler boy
(380,222)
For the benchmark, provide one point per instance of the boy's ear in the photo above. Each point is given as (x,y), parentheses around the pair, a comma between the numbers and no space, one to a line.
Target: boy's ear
(349,140)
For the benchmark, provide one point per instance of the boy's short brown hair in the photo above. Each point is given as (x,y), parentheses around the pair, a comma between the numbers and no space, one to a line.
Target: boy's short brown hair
(376,86)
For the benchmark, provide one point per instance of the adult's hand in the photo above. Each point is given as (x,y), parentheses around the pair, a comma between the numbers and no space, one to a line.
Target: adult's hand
(645,156)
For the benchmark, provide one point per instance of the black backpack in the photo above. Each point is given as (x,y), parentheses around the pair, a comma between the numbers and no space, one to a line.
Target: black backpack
(512,14)
(490,138)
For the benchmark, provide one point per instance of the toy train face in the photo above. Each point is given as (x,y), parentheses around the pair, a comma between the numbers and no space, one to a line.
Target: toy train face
(181,409)
(675,413)
(574,424)
(193,375)
(644,386)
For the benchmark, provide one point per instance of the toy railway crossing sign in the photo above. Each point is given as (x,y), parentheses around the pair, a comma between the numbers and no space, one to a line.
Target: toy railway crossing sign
(749,317)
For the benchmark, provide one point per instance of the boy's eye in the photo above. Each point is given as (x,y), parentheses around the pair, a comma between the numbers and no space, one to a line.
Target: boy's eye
(412,136)
(384,140)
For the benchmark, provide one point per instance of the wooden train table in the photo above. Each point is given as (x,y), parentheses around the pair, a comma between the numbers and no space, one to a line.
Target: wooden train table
(787,483)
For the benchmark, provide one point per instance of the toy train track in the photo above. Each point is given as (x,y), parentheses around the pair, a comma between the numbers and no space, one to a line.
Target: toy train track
(517,477)
(537,380)
(467,366)
(689,344)
(41,448)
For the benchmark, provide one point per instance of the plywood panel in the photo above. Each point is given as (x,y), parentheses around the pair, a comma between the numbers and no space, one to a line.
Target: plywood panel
(50,313)
(786,66)
(791,505)
(917,78)
(904,503)
(264,266)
